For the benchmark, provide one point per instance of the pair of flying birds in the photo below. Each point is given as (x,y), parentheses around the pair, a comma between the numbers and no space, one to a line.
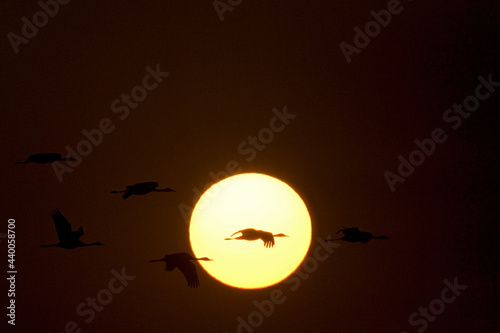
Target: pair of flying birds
(137,189)
(188,269)
(70,239)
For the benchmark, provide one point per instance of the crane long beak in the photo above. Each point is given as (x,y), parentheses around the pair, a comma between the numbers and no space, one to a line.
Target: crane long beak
(155,260)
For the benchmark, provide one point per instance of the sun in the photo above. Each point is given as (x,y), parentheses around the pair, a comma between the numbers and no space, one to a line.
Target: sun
(257,201)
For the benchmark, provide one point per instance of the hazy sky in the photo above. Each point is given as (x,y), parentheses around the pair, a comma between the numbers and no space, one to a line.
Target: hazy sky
(181,97)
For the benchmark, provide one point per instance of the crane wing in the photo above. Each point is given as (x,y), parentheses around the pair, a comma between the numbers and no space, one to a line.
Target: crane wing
(63,227)
(170,265)
(268,239)
(189,270)
(269,243)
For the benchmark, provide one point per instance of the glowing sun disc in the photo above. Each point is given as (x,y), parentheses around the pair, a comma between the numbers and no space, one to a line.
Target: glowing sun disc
(257,201)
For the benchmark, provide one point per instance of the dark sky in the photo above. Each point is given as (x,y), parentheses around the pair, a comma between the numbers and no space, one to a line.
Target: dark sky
(225,78)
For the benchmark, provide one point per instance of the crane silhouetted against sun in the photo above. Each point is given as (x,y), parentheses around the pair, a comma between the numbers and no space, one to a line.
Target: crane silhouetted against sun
(141,189)
(353,235)
(251,234)
(183,262)
(68,239)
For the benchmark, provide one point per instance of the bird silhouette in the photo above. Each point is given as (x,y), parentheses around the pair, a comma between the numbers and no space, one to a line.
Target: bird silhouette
(183,261)
(353,235)
(250,234)
(141,189)
(43,158)
(68,239)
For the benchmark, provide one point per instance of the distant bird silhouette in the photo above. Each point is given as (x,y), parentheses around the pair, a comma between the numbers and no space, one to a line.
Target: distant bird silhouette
(353,235)
(141,189)
(183,261)
(253,234)
(67,239)
(43,158)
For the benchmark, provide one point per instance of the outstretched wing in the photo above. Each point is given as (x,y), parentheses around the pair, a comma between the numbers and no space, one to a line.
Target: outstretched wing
(63,227)
(268,239)
(269,243)
(189,270)
(170,265)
